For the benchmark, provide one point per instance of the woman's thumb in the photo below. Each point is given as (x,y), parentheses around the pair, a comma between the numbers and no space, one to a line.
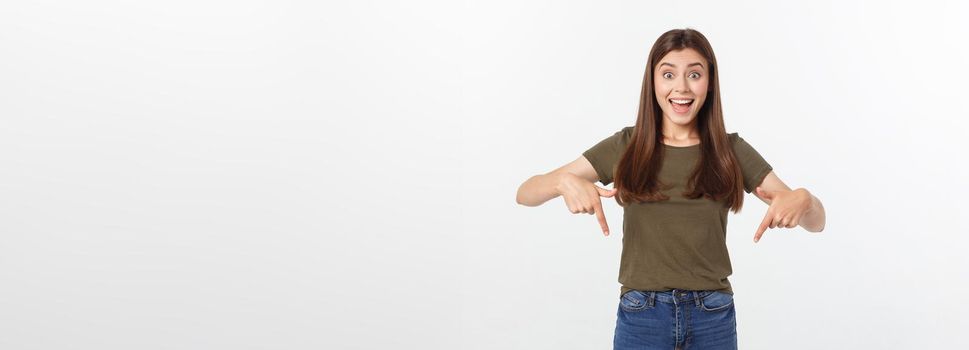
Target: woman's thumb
(764,193)
(606,193)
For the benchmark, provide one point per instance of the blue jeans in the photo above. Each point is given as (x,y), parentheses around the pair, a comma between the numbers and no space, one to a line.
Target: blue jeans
(676,319)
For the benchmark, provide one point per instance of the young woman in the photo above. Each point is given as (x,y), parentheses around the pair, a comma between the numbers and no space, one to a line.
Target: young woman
(676,173)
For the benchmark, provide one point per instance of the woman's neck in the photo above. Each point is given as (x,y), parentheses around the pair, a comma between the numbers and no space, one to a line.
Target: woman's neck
(676,134)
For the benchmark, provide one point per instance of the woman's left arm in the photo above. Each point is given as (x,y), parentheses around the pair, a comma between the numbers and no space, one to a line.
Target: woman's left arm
(788,208)
(813,219)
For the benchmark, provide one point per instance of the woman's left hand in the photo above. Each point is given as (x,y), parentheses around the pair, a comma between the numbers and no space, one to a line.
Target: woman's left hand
(786,209)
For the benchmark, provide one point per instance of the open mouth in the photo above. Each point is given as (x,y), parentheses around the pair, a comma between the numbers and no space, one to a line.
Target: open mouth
(681,105)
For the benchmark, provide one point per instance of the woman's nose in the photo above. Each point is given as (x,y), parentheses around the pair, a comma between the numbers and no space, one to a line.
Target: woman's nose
(681,86)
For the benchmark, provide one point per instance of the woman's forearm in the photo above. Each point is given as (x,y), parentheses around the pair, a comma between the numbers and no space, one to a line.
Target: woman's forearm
(538,189)
(813,220)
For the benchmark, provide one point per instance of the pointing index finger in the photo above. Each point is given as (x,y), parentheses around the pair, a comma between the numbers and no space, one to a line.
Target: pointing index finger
(602,218)
(763,227)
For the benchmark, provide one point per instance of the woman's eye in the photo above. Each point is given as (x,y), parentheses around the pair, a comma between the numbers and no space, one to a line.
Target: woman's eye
(695,75)
(667,75)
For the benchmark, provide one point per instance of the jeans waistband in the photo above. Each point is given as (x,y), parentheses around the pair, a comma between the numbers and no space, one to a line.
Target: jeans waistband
(676,296)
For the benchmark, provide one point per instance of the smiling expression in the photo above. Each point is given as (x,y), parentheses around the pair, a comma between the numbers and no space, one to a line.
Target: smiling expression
(681,82)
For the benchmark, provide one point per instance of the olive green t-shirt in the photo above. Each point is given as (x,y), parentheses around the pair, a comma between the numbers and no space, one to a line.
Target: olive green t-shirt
(678,243)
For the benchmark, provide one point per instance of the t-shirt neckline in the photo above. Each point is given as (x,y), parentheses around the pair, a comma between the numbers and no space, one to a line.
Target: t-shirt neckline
(680,147)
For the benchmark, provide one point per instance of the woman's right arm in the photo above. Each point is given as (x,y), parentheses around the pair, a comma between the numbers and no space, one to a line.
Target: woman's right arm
(575,183)
(539,189)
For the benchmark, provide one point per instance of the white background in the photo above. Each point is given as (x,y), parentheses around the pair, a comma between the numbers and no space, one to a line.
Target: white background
(297,175)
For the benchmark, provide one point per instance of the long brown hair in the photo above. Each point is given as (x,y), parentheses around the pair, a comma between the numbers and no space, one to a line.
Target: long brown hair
(717,175)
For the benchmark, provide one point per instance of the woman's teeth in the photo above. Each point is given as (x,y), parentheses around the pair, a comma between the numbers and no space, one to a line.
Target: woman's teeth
(681,106)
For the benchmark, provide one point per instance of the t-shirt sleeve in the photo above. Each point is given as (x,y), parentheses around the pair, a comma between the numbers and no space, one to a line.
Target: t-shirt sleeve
(752,164)
(605,155)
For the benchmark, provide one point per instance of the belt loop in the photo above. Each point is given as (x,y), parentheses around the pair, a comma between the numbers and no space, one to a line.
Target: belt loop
(696,298)
(652,298)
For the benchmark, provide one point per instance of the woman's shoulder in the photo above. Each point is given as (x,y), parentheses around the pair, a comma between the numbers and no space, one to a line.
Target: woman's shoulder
(735,139)
(625,134)
(740,146)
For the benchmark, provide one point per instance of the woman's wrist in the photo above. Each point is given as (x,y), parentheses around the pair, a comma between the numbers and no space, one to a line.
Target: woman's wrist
(559,180)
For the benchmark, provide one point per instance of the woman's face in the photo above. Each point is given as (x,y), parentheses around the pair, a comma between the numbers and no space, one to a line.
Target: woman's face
(680,81)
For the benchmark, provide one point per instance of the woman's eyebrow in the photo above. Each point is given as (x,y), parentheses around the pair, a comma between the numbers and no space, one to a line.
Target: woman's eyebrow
(674,66)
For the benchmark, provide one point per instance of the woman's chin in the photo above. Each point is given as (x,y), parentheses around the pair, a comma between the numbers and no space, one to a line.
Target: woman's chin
(681,119)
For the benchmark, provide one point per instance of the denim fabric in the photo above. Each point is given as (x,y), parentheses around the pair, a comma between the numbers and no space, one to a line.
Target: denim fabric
(676,319)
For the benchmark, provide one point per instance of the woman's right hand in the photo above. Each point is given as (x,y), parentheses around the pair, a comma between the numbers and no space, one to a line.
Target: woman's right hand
(582,196)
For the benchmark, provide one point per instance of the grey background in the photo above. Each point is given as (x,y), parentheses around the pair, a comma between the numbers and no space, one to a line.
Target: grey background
(306,175)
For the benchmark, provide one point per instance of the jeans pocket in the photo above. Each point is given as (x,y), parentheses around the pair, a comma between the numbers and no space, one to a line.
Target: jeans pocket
(716,301)
(634,301)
